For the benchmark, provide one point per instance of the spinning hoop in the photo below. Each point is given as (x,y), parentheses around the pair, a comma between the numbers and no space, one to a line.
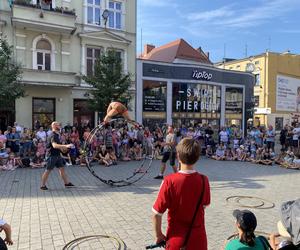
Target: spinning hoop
(116,183)
(72,244)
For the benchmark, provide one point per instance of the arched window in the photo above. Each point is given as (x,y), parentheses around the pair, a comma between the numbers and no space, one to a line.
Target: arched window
(43,55)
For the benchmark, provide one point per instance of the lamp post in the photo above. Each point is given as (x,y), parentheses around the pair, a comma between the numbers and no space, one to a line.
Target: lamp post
(105,16)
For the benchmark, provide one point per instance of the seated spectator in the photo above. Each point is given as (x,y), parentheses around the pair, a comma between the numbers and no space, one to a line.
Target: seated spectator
(220,153)
(288,160)
(280,158)
(209,151)
(288,227)
(38,161)
(136,152)
(12,163)
(296,161)
(241,154)
(246,223)
(7,230)
(125,152)
(228,154)
(104,157)
(266,158)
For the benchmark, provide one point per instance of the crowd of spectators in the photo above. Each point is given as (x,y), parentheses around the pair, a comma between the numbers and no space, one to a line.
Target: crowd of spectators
(23,147)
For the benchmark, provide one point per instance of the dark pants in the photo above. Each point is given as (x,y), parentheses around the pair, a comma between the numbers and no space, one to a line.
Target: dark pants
(2,244)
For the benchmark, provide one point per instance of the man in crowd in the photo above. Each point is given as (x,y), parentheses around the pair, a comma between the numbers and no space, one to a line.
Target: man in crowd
(169,152)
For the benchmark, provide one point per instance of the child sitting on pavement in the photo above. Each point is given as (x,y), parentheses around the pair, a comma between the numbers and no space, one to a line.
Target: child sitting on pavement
(220,153)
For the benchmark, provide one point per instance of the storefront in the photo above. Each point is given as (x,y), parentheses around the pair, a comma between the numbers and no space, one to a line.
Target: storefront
(192,94)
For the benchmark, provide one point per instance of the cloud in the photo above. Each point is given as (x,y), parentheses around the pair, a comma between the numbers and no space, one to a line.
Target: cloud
(212,14)
(157,3)
(234,16)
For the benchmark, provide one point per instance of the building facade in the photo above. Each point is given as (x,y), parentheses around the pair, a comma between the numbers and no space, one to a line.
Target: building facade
(177,85)
(277,86)
(56,42)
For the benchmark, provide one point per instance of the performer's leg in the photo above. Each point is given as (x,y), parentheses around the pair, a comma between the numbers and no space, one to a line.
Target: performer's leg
(45,177)
(110,114)
(63,175)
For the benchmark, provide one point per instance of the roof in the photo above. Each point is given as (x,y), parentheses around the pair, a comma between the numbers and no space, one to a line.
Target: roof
(178,49)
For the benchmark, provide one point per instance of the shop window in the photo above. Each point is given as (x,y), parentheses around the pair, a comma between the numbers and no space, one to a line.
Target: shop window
(154,96)
(43,112)
(278,123)
(83,115)
(92,54)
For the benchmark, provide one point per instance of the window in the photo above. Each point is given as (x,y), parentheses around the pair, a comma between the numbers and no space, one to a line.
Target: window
(43,53)
(256,101)
(238,66)
(256,62)
(115,15)
(257,79)
(91,56)
(94,12)
(278,123)
(43,111)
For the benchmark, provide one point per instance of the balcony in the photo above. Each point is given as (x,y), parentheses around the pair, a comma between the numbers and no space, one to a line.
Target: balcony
(32,17)
(49,78)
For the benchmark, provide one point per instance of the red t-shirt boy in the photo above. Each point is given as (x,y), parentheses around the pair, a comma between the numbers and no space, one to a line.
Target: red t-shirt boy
(179,193)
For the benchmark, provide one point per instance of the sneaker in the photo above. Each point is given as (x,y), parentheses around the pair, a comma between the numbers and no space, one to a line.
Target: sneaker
(44,188)
(69,185)
(159,177)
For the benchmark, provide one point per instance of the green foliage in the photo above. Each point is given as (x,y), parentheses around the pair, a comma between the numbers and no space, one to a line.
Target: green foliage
(109,82)
(10,73)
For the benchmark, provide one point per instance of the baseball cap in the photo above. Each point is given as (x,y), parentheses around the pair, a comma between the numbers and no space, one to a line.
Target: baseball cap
(246,219)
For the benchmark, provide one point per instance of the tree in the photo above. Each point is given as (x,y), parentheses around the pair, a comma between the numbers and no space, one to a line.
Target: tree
(108,82)
(10,74)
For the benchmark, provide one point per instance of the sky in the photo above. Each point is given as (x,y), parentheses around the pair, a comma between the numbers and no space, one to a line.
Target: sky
(224,28)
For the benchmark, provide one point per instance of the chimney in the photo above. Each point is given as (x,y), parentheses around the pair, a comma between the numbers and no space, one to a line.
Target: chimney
(207,54)
(148,48)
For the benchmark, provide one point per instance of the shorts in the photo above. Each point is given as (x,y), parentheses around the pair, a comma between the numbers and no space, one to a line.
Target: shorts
(169,156)
(55,161)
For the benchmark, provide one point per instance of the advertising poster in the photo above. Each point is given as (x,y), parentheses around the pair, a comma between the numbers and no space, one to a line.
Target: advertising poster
(288,94)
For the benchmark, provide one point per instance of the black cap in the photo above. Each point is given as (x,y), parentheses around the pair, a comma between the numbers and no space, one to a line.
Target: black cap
(246,219)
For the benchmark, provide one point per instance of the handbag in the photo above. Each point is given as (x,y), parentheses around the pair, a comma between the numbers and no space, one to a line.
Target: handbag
(194,216)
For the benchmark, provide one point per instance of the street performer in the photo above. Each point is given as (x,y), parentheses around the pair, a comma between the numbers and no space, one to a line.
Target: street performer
(117,108)
(55,159)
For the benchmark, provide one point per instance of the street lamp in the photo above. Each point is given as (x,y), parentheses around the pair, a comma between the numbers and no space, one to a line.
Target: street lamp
(105,16)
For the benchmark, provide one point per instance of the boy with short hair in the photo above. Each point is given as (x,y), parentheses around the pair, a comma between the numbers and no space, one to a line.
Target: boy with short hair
(179,193)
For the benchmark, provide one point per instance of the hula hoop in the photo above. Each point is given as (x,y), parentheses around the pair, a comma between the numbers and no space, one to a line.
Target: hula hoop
(116,183)
(77,241)
(266,204)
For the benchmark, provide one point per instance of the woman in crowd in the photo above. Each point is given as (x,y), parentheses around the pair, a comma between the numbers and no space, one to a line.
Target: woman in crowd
(246,224)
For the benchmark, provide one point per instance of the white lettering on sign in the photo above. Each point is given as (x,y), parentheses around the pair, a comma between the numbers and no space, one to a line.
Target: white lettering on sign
(203,75)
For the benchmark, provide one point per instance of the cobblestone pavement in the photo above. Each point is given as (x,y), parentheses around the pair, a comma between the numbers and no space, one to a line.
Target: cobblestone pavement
(50,219)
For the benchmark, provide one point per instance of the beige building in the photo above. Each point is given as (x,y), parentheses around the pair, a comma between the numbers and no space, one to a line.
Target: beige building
(277,86)
(57,42)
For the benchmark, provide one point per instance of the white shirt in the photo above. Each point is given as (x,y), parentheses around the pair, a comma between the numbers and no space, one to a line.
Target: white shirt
(223,136)
(41,135)
(2,222)
(296,132)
